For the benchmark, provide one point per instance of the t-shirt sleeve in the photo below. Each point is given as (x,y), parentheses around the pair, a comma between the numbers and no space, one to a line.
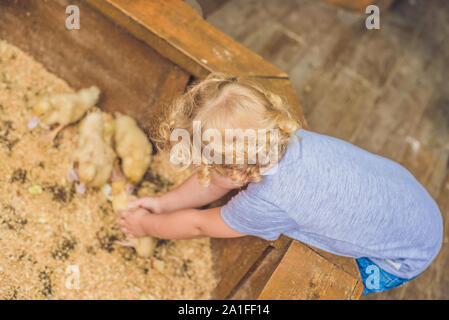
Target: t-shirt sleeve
(251,214)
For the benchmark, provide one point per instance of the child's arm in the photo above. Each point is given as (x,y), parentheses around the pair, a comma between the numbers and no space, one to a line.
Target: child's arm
(182,224)
(190,194)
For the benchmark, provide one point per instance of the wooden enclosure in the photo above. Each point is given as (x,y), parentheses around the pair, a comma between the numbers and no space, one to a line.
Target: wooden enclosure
(361,5)
(143,53)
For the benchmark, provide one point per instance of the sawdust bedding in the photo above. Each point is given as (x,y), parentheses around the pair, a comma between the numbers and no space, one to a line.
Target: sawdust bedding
(45,237)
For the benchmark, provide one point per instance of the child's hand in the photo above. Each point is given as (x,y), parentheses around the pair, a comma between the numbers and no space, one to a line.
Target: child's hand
(152,204)
(132,222)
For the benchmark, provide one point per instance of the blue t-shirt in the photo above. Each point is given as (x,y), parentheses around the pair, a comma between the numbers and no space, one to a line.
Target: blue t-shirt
(335,196)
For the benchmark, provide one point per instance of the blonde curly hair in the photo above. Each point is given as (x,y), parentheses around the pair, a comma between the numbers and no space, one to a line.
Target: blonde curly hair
(223,102)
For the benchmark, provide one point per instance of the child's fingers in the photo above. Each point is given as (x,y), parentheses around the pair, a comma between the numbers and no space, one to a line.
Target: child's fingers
(125,230)
(129,234)
(142,202)
(122,213)
(136,203)
(133,204)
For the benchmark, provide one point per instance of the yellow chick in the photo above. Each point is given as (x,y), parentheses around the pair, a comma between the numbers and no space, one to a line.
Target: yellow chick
(132,146)
(94,157)
(109,128)
(63,109)
(144,246)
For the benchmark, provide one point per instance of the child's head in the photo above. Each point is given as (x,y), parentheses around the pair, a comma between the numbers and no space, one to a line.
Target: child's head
(213,106)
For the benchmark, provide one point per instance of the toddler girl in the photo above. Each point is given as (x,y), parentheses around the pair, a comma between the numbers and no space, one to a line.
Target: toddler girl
(317,189)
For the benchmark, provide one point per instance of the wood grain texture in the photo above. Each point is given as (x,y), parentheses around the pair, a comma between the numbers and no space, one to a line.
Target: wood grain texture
(305,275)
(233,258)
(177,32)
(174,85)
(255,279)
(361,5)
(348,265)
(210,6)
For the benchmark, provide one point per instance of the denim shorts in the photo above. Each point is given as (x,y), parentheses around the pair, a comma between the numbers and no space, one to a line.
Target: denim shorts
(375,279)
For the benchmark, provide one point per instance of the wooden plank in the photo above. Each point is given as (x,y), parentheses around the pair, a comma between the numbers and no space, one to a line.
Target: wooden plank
(129,73)
(303,274)
(361,5)
(233,258)
(209,7)
(348,265)
(254,281)
(177,32)
(174,85)
(339,113)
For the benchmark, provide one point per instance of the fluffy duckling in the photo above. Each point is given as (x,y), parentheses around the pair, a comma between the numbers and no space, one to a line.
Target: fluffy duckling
(94,157)
(144,246)
(63,109)
(133,147)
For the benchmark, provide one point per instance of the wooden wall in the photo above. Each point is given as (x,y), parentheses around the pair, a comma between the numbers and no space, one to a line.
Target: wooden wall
(361,4)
